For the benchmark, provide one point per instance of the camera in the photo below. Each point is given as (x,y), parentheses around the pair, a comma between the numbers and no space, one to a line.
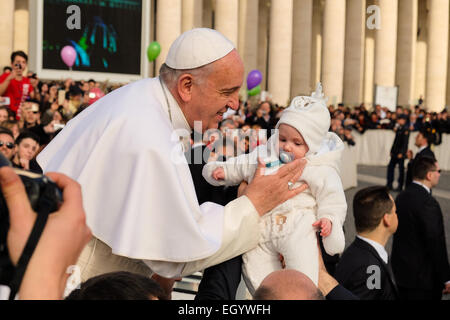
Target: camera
(18,66)
(45,198)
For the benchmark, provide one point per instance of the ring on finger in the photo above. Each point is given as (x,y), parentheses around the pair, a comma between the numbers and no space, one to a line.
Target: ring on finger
(290,185)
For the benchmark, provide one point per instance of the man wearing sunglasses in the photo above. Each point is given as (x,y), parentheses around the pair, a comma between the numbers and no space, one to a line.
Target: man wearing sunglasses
(419,253)
(6,143)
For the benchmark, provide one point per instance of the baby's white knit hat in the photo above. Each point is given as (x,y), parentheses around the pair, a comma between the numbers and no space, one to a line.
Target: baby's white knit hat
(310,116)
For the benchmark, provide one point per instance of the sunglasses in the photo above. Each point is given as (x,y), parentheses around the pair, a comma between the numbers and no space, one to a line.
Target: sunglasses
(431,170)
(9,145)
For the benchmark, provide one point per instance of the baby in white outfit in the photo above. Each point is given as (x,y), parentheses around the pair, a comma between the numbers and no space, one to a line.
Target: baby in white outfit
(290,228)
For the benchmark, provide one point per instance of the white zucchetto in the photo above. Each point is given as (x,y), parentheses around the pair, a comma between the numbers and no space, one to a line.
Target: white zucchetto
(196,48)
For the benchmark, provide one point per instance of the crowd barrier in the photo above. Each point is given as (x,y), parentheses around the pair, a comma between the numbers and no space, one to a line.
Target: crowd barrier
(373,148)
(348,167)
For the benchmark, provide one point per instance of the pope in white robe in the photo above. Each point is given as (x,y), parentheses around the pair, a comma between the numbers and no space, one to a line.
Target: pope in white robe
(137,190)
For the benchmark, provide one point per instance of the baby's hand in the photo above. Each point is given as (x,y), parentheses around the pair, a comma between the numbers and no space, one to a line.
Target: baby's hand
(325,225)
(218,174)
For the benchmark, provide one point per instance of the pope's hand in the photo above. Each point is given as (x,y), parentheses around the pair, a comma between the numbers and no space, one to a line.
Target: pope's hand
(268,191)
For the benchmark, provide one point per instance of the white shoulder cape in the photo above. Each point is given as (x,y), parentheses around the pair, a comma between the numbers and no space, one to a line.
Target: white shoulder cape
(137,200)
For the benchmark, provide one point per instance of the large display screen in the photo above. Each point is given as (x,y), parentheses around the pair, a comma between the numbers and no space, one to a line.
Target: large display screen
(108,40)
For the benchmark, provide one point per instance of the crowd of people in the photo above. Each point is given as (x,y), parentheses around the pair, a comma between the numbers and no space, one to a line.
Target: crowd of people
(33,112)
(212,242)
(43,108)
(255,115)
(359,119)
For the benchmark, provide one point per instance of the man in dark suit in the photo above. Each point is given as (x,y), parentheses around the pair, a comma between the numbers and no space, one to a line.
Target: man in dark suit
(219,282)
(419,252)
(423,141)
(398,153)
(363,268)
(197,157)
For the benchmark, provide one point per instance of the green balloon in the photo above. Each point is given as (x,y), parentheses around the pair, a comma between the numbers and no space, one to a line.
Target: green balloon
(256,90)
(153,51)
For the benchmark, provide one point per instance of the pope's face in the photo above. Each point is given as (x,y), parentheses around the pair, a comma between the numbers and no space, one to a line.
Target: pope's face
(220,91)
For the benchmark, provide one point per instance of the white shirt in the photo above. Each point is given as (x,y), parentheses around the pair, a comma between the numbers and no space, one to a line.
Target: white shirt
(178,119)
(378,248)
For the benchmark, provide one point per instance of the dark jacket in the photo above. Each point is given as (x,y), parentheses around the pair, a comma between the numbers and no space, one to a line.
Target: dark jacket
(424,153)
(419,252)
(353,272)
(34,166)
(400,145)
(206,192)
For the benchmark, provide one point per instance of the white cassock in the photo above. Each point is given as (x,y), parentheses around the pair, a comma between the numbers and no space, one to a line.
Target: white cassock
(137,189)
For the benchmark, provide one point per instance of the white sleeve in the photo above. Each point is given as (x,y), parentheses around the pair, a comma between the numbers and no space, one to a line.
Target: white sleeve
(237,169)
(327,189)
(240,234)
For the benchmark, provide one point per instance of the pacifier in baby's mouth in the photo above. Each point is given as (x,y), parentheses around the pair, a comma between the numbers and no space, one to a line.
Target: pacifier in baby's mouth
(286,157)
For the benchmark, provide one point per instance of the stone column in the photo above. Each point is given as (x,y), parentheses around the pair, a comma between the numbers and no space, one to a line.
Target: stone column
(301,48)
(248,36)
(369,68)
(386,43)
(436,78)
(280,50)
(369,60)
(406,51)
(421,52)
(192,14)
(263,39)
(447,101)
(333,50)
(354,52)
(227,19)
(316,43)
(168,27)
(7,31)
(21,25)
(207,14)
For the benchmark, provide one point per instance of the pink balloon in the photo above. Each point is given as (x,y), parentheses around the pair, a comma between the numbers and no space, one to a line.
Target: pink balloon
(69,55)
(95,94)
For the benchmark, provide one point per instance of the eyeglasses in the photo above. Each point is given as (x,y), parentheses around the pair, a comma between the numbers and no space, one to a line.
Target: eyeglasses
(431,170)
(9,145)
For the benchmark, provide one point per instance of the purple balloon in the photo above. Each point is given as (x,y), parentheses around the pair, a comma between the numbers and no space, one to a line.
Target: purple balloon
(254,78)
(69,55)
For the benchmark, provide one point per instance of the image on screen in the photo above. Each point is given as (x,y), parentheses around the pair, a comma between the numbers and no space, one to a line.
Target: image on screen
(109,39)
